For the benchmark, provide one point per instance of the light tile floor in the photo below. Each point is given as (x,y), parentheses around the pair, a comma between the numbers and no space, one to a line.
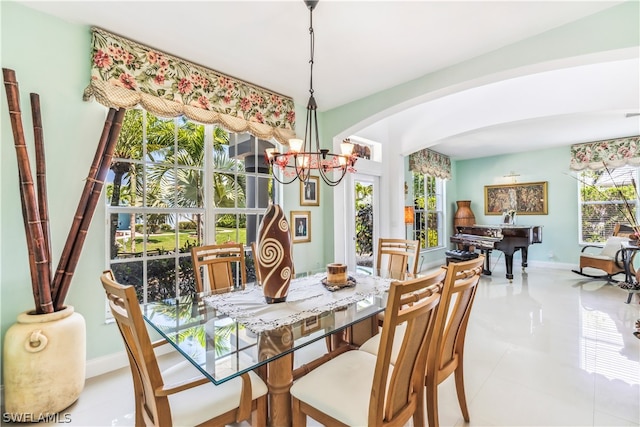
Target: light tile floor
(549,349)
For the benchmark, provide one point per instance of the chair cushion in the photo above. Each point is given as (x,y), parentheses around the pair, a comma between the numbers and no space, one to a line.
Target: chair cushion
(194,406)
(372,344)
(341,387)
(597,256)
(613,245)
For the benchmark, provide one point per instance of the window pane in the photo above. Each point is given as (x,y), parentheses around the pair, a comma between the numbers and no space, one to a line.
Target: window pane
(190,144)
(606,198)
(428,204)
(161,279)
(130,273)
(228,228)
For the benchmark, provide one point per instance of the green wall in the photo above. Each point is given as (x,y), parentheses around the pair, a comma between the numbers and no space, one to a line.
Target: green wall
(51,58)
(560,226)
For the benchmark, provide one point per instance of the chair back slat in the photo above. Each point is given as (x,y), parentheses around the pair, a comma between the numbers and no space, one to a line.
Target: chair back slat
(457,296)
(213,266)
(414,302)
(398,255)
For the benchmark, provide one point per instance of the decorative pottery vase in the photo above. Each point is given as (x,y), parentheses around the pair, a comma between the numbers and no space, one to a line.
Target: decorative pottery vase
(274,253)
(464,215)
(43,362)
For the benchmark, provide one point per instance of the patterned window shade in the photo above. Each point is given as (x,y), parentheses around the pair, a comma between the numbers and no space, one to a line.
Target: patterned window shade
(430,163)
(612,153)
(125,74)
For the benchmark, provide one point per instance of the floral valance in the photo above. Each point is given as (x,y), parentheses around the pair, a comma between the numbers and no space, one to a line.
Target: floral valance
(125,74)
(430,163)
(612,152)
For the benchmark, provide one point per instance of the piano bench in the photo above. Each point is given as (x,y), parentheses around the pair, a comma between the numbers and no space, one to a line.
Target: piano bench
(458,255)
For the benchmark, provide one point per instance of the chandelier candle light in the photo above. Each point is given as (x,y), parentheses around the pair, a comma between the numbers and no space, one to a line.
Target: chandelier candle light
(300,160)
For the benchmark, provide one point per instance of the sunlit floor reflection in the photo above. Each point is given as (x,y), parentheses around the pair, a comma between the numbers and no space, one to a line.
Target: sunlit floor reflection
(604,337)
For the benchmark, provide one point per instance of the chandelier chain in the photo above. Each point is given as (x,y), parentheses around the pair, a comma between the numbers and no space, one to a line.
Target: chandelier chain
(300,160)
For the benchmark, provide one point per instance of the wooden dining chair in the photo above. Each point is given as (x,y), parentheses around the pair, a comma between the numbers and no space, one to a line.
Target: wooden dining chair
(446,350)
(216,263)
(446,356)
(180,395)
(398,255)
(358,388)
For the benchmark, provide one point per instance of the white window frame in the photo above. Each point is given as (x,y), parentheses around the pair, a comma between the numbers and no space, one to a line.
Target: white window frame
(602,228)
(439,211)
(208,210)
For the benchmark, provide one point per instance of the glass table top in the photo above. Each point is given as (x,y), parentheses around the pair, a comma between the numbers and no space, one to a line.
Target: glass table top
(223,347)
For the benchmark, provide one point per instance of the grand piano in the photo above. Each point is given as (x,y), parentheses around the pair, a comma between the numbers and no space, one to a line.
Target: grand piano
(505,238)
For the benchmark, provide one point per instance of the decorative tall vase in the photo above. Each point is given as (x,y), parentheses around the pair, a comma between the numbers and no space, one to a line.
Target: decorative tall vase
(464,215)
(274,253)
(43,363)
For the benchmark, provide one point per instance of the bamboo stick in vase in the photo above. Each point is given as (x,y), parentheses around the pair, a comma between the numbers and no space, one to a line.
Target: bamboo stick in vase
(41,175)
(35,237)
(87,215)
(32,262)
(77,219)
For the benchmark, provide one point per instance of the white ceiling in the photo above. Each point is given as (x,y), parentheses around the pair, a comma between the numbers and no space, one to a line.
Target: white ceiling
(363,47)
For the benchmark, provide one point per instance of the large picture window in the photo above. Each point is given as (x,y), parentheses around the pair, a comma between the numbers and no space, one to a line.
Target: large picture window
(175,184)
(606,197)
(428,204)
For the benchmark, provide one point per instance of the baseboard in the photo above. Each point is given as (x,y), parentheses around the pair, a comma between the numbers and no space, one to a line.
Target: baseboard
(551,265)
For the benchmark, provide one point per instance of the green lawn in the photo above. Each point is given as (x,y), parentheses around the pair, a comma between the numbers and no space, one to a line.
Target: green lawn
(166,241)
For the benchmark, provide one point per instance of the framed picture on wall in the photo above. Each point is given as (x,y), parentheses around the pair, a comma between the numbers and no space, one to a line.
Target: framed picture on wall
(300,226)
(528,198)
(310,192)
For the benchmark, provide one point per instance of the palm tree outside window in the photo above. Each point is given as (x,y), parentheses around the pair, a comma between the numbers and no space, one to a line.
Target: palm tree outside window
(175,184)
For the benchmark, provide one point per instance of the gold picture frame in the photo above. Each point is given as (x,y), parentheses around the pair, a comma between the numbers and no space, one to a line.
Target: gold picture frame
(310,192)
(300,226)
(528,198)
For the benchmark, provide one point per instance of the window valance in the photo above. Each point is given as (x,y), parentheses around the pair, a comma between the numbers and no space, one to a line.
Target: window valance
(125,74)
(611,152)
(430,163)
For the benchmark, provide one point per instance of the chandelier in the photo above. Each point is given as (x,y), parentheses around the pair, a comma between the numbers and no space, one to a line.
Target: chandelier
(300,160)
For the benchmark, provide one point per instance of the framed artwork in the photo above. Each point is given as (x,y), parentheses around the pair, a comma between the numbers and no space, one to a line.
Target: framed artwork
(300,226)
(310,192)
(529,198)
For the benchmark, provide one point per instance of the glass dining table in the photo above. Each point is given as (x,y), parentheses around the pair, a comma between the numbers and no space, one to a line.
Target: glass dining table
(227,334)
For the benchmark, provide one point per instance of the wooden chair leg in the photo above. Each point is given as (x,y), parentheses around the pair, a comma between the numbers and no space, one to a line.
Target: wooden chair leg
(432,402)
(259,416)
(418,415)
(462,399)
(298,418)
